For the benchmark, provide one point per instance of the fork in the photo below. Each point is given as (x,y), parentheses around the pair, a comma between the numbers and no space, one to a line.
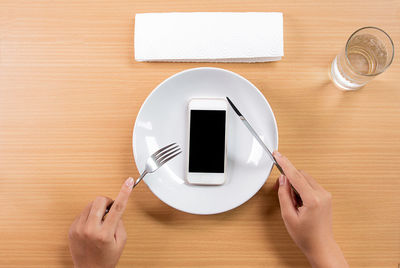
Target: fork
(154,162)
(159,158)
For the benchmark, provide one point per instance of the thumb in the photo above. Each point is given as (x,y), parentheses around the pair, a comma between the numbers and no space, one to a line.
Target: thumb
(285,199)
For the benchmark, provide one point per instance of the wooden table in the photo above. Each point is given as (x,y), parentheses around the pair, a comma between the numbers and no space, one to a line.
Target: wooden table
(70,91)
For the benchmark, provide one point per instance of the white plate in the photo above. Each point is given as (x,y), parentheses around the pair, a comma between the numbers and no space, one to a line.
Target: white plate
(162,119)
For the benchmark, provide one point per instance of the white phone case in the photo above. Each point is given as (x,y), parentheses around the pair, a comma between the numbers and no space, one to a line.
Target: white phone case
(206,178)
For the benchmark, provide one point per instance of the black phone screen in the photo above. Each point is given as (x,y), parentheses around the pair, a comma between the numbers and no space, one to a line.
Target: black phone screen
(207,141)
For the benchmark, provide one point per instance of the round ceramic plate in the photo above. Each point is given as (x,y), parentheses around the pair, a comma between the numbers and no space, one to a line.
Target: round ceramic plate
(162,120)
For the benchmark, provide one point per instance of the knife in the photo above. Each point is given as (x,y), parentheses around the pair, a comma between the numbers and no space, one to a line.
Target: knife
(257,137)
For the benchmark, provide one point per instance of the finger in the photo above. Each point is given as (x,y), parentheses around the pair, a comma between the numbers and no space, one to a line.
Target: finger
(314,184)
(74,224)
(118,208)
(98,210)
(295,177)
(288,210)
(120,234)
(84,215)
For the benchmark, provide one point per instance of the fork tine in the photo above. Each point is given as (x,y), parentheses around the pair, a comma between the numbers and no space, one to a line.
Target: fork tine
(162,149)
(169,158)
(165,155)
(165,152)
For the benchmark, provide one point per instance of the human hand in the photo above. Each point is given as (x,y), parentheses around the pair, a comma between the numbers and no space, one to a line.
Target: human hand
(95,242)
(309,225)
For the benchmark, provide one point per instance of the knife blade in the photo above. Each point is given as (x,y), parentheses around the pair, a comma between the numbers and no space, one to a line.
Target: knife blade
(259,140)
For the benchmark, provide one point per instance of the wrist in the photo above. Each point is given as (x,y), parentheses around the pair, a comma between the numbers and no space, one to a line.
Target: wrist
(92,266)
(326,255)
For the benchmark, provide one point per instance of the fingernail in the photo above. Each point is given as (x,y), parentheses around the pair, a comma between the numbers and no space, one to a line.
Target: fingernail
(282,180)
(278,154)
(129,182)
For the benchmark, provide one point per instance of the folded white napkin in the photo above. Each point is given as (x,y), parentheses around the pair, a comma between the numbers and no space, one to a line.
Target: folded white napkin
(209,37)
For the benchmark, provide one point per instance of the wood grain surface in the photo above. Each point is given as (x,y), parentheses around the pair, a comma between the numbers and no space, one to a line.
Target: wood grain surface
(70,91)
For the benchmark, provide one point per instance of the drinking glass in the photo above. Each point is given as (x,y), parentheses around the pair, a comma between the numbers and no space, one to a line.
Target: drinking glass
(368,52)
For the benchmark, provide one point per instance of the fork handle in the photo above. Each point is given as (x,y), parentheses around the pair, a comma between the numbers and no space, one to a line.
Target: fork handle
(140,178)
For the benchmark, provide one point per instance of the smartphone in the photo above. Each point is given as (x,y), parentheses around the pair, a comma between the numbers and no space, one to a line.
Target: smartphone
(206,163)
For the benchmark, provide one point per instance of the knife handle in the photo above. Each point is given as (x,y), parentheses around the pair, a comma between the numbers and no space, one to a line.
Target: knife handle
(297,197)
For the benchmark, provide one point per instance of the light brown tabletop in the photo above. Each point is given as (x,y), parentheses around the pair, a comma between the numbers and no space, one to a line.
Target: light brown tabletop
(70,91)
